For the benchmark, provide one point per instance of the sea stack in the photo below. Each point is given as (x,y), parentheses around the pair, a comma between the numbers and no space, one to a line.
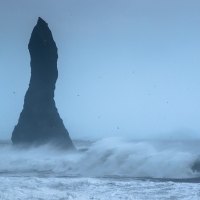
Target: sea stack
(39,121)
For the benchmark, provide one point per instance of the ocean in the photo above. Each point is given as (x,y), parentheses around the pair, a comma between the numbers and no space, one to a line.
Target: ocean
(111,168)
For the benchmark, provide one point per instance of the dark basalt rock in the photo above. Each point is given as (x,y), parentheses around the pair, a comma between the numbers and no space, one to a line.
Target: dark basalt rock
(39,121)
(196,166)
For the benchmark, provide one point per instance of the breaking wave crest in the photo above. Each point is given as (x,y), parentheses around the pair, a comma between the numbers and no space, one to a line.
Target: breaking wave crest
(107,157)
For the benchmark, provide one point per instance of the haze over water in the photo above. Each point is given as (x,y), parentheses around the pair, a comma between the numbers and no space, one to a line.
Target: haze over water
(127,91)
(126,68)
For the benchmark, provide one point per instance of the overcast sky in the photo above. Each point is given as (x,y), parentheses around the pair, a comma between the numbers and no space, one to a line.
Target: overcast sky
(128,68)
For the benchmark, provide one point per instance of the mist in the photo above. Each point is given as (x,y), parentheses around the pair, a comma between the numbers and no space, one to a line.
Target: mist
(126,68)
(106,157)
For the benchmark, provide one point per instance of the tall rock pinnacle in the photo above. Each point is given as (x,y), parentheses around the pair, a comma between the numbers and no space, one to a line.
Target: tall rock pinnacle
(39,121)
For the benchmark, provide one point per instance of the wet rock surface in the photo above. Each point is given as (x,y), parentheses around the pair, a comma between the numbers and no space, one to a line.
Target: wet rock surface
(196,166)
(39,121)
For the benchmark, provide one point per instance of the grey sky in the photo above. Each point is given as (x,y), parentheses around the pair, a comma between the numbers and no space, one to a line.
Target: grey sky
(126,68)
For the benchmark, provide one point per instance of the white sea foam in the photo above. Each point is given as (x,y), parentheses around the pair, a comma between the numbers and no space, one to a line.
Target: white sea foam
(111,156)
(83,188)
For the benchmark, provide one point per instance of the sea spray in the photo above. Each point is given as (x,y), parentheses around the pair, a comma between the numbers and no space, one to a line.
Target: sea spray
(106,157)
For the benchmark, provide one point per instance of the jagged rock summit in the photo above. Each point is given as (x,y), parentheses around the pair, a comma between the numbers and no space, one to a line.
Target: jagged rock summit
(39,121)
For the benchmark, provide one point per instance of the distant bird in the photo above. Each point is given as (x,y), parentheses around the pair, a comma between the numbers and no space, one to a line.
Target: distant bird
(117,127)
